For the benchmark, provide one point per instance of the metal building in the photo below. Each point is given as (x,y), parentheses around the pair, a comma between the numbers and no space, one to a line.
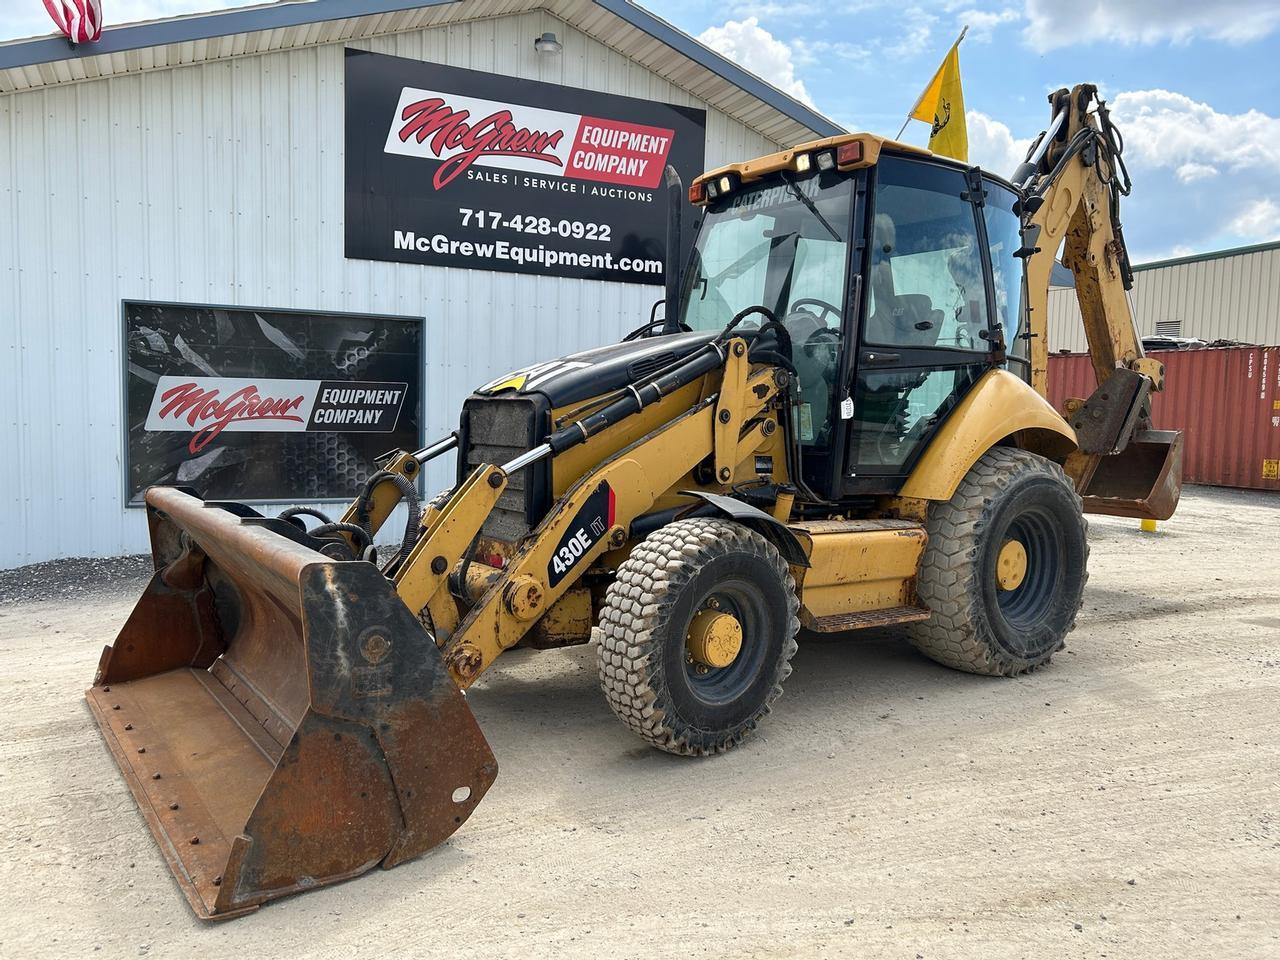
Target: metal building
(1226,295)
(200,160)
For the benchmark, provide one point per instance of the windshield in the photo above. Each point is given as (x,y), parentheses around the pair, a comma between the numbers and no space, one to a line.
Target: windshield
(781,244)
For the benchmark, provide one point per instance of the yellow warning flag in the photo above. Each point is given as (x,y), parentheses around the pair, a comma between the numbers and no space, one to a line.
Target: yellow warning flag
(942,105)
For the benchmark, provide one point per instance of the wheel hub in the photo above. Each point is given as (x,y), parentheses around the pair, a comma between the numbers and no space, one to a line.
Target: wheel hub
(1011,565)
(715,638)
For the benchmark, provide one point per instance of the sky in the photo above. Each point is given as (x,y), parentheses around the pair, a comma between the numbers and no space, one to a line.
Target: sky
(1194,85)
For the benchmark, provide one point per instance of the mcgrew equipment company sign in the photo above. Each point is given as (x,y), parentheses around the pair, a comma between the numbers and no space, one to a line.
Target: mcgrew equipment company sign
(458,168)
(249,404)
(205,406)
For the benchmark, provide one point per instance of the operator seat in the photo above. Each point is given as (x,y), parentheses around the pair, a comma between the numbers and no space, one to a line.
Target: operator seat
(815,367)
(903,320)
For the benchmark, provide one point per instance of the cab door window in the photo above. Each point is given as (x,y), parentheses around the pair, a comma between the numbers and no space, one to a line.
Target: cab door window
(926,286)
(923,338)
(1004,237)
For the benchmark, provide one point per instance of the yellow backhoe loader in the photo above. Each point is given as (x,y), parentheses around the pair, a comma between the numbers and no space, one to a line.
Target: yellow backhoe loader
(840,423)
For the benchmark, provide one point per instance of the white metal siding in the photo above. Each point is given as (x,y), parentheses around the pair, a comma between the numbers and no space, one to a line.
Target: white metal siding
(1233,297)
(589,17)
(223,183)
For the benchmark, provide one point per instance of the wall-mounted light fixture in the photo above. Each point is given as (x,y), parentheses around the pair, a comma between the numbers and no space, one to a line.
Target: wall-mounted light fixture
(547,43)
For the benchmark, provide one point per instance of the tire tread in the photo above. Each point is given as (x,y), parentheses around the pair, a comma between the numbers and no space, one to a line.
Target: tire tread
(634,620)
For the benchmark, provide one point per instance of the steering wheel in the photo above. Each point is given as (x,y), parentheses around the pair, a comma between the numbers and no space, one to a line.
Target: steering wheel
(822,337)
(825,307)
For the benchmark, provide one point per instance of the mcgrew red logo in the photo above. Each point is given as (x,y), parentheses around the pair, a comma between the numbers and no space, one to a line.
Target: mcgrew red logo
(211,413)
(439,126)
(493,136)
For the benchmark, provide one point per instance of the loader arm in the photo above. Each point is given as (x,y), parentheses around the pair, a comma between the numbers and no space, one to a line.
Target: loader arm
(1073,181)
(593,516)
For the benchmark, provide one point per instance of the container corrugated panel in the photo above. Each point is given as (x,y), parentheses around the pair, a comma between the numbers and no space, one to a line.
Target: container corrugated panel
(222,183)
(1226,401)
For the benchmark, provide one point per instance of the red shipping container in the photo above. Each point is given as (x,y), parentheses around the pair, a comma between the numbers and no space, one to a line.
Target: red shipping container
(1226,400)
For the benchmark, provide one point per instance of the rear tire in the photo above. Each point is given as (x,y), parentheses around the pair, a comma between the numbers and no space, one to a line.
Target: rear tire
(646,670)
(977,625)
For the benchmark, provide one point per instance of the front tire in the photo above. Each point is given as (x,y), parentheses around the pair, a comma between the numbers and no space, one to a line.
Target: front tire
(663,605)
(1004,568)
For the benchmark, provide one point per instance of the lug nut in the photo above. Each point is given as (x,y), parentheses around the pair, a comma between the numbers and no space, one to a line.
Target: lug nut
(142,749)
(173,806)
(155,776)
(128,726)
(194,841)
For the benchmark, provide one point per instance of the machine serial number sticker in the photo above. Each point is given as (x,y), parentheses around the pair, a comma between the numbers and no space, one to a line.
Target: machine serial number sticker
(588,527)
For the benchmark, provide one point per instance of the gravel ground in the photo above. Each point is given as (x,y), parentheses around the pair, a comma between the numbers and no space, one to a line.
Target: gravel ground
(1123,802)
(80,579)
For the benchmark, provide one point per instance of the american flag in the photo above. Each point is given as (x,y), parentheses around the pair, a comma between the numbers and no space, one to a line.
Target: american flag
(79,20)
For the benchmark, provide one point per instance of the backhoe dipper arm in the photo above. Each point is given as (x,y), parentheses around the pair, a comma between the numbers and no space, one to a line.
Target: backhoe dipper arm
(1072,182)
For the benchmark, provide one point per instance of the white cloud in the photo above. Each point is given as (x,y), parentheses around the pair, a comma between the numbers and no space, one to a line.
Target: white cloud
(1202,179)
(1052,23)
(1191,171)
(917,28)
(749,45)
(31,20)
(807,53)
(982,23)
(1257,220)
(1163,129)
(992,144)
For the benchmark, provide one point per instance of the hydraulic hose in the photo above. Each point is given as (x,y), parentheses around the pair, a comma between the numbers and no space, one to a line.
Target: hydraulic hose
(292,512)
(356,531)
(328,526)
(410,493)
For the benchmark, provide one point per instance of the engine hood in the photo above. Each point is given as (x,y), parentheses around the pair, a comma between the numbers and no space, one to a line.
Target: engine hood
(591,373)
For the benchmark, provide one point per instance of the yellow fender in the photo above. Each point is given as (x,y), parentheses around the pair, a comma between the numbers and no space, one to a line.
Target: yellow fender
(1000,408)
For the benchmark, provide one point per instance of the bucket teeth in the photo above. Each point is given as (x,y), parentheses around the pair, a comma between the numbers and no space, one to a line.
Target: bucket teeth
(282,719)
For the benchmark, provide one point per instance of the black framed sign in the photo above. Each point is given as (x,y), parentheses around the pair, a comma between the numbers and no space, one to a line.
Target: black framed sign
(459,168)
(266,405)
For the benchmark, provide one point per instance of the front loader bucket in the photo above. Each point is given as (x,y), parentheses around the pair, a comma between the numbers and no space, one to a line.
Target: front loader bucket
(282,719)
(1144,480)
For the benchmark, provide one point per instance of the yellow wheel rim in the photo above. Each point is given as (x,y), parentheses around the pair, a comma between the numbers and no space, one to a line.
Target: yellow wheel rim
(714,638)
(1011,565)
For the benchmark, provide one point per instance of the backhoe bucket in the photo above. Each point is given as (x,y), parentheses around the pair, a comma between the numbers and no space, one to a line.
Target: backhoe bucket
(1144,480)
(282,719)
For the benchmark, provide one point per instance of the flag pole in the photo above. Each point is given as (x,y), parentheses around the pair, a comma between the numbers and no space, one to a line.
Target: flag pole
(922,92)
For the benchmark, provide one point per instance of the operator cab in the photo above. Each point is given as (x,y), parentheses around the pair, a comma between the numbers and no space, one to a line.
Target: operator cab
(898,285)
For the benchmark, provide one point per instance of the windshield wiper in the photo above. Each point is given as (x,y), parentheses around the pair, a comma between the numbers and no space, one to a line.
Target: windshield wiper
(748,260)
(799,195)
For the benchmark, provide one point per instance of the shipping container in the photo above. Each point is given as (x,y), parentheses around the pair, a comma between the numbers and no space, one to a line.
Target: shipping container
(1226,401)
